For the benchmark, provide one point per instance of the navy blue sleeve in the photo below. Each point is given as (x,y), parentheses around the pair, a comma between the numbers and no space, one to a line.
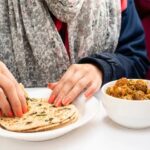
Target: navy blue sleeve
(130,58)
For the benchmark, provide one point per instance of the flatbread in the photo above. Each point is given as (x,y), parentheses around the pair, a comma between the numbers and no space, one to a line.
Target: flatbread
(41,116)
(55,126)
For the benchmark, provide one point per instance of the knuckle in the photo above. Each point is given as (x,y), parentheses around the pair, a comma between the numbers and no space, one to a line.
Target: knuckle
(62,93)
(56,91)
(74,66)
(71,81)
(72,94)
(86,69)
(81,84)
(5,107)
(16,105)
(10,86)
(75,92)
(2,64)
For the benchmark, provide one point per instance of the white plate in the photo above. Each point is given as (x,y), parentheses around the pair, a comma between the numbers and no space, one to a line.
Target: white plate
(87,109)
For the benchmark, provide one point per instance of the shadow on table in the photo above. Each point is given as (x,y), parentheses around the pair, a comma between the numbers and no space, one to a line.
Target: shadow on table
(111,124)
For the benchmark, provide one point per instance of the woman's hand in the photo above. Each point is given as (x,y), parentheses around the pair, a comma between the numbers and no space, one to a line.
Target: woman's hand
(77,78)
(12,99)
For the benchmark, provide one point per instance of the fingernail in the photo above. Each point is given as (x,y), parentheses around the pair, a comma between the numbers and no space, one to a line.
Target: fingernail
(87,95)
(10,114)
(66,101)
(19,114)
(58,103)
(25,109)
(51,99)
(49,85)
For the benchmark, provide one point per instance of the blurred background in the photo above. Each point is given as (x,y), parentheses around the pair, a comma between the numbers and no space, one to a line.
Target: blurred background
(143,8)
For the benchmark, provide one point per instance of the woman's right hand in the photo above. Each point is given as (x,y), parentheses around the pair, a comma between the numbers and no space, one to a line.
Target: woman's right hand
(12,99)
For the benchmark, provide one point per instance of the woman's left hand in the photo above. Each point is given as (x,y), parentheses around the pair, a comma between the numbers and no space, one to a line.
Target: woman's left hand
(76,79)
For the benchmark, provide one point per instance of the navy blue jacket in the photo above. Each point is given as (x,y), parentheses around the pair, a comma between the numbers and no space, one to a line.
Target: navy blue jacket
(130,58)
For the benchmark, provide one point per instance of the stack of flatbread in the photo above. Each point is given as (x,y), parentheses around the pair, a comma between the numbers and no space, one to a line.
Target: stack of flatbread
(41,116)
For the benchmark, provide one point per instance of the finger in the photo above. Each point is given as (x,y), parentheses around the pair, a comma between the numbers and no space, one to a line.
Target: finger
(92,89)
(58,101)
(10,91)
(77,89)
(4,105)
(22,98)
(67,87)
(60,84)
(7,73)
(19,91)
(55,92)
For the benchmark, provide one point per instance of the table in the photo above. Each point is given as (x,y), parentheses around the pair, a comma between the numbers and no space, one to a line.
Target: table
(99,134)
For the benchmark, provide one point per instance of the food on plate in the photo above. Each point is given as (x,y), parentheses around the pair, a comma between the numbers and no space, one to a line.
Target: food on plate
(41,116)
(130,89)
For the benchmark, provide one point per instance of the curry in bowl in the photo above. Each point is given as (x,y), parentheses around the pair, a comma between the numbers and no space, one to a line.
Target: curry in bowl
(130,89)
(127,102)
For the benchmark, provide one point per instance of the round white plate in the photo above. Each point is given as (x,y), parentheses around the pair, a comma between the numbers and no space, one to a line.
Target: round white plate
(87,110)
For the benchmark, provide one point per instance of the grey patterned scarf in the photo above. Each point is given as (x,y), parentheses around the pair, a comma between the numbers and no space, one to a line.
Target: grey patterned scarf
(31,46)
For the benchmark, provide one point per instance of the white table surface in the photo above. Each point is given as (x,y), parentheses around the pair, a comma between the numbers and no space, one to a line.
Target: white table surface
(99,134)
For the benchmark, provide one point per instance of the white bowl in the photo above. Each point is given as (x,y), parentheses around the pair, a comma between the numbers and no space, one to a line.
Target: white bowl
(128,113)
